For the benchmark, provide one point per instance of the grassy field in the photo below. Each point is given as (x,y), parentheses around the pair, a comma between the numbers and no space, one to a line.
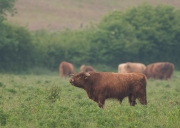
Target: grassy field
(60,14)
(46,101)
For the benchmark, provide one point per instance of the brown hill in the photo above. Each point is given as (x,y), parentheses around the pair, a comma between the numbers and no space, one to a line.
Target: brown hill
(60,14)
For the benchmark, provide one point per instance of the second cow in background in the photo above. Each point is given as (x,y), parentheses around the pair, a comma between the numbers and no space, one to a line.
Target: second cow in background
(131,67)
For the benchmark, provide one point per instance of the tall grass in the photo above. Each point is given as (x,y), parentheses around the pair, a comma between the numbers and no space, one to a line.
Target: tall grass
(47,101)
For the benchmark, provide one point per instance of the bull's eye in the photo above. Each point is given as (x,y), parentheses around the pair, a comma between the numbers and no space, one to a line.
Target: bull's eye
(78,77)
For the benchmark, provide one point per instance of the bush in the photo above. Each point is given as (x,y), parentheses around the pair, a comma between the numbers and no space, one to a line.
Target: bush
(16,48)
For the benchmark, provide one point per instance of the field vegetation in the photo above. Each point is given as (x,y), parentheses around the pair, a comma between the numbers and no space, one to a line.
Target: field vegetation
(47,101)
(31,95)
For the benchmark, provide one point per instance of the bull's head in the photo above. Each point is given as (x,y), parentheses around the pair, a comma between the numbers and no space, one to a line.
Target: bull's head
(79,79)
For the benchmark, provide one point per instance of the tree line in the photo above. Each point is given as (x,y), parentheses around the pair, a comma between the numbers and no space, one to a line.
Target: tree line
(144,33)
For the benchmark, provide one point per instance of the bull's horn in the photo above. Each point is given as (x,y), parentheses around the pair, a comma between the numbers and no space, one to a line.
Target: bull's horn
(71,74)
(87,74)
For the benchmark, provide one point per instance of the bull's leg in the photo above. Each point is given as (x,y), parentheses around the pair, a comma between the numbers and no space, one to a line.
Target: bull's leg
(143,100)
(120,100)
(129,98)
(133,103)
(93,98)
(142,97)
(101,101)
(132,100)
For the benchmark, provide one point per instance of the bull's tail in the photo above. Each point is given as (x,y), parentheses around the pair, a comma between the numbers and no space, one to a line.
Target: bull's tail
(142,97)
(145,79)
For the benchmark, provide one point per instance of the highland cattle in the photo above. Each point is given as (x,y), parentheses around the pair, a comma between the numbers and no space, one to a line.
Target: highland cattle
(160,70)
(65,69)
(103,85)
(131,67)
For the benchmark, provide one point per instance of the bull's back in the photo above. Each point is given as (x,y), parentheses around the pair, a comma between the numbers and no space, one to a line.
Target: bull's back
(112,84)
(118,85)
(115,79)
(134,77)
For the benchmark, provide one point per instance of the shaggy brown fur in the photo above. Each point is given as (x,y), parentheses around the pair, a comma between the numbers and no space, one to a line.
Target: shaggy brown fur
(84,68)
(160,70)
(103,85)
(131,67)
(65,69)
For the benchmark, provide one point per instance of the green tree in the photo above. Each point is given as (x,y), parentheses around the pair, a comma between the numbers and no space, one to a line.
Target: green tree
(55,47)
(118,39)
(144,33)
(6,6)
(156,30)
(16,48)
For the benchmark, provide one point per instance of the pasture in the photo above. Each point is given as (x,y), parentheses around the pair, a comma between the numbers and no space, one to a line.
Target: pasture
(46,101)
(72,14)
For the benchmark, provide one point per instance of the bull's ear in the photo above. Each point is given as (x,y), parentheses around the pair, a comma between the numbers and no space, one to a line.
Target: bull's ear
(87,74)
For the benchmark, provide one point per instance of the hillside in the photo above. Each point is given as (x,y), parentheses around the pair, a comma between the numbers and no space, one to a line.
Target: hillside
(60,14)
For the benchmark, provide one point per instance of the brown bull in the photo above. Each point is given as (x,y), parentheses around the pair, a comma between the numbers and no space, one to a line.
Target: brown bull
(160,70)
(65,69)
(131,67)
(84,68)
(103,85)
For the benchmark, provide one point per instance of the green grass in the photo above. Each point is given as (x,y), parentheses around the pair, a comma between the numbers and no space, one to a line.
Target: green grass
(46,101)
(60,14)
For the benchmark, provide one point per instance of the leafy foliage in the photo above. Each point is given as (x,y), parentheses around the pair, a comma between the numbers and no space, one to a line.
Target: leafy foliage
(6,6)
(16,48)
(54,93)
(143,34)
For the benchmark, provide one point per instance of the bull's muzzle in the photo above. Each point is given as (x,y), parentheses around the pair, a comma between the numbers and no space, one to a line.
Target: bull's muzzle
(71,81)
